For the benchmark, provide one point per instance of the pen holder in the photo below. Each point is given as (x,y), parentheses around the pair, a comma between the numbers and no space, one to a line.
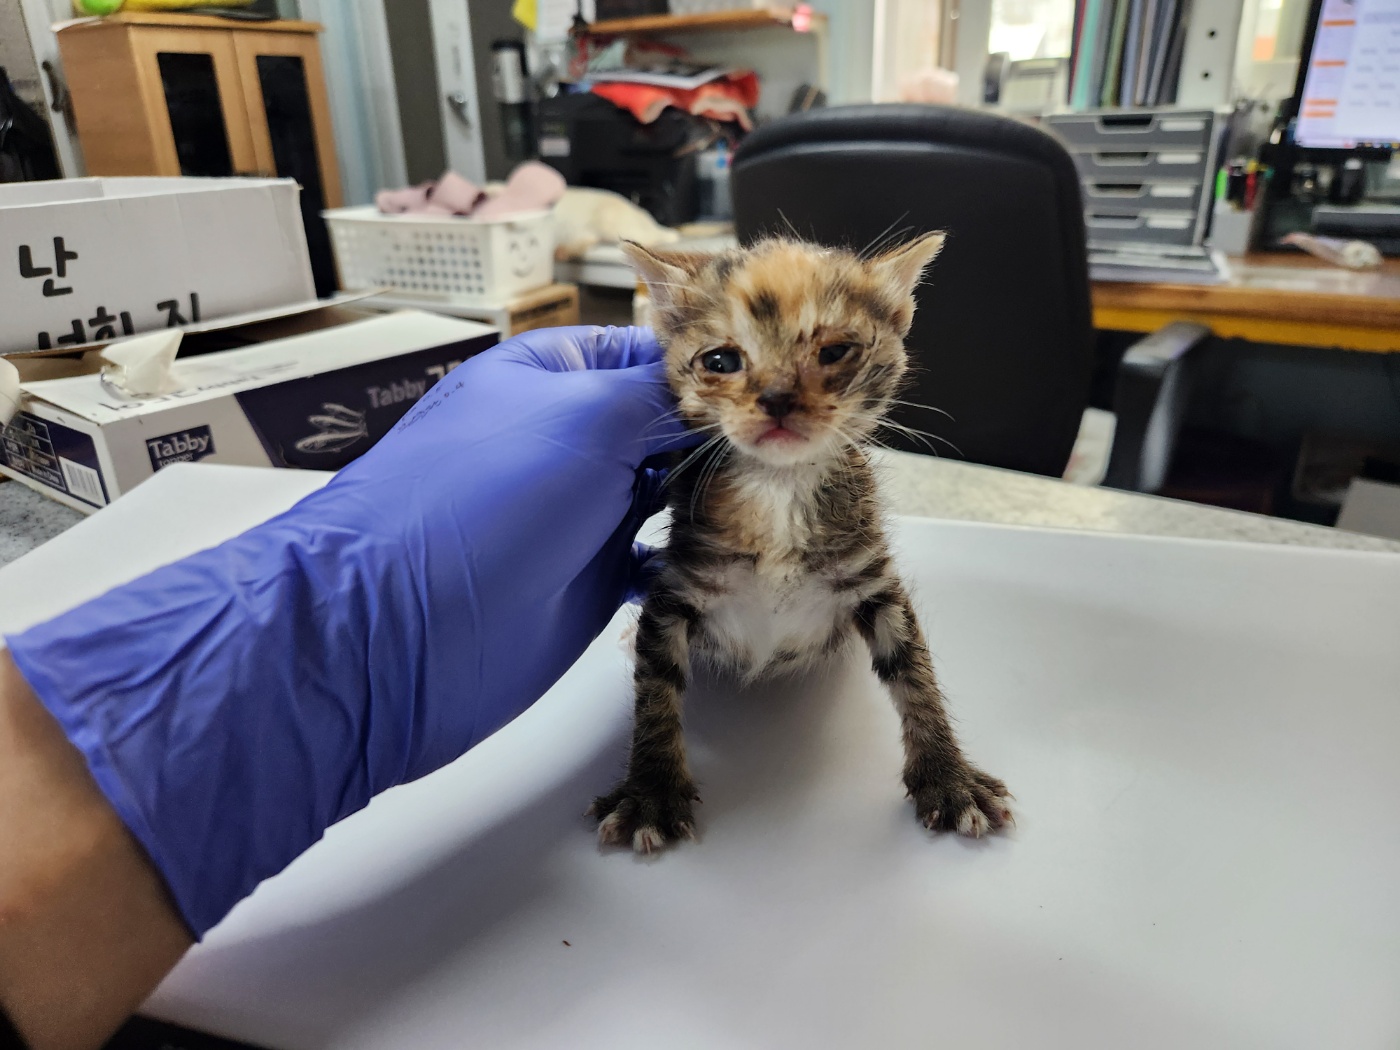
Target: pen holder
(1232,229)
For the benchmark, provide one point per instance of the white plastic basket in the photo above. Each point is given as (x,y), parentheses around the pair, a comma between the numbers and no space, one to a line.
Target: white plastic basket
(441,257)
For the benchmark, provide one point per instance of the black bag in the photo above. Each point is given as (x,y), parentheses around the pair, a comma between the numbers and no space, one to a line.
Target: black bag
(26,143)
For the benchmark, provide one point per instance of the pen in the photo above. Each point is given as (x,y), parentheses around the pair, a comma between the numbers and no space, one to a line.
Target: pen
(1236,182)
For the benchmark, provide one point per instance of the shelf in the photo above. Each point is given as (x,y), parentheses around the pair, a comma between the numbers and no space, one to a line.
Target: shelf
(183,20)
(710,21)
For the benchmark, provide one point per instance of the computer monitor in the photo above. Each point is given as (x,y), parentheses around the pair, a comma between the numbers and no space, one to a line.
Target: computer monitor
(1348,90)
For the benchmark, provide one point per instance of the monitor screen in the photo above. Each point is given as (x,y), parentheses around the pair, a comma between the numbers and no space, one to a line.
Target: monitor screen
(1351,93)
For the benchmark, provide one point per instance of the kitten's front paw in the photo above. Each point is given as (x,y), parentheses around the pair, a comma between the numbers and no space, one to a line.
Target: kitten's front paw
(645,821)
(964,800)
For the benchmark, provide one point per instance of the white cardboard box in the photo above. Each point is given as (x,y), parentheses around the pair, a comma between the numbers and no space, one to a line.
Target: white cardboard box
(91,260)
(316,401)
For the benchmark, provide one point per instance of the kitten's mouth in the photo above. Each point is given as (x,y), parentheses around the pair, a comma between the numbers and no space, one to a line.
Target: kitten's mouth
(778,434)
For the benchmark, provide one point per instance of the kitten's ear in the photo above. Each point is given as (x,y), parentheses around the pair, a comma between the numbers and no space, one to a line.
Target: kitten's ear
(665,272)
(899,269)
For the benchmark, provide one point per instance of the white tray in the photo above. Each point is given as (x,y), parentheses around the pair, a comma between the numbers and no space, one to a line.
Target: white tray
(1204,739)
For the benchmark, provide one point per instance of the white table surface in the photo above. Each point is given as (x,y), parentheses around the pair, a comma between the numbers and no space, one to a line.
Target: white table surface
(1202,738)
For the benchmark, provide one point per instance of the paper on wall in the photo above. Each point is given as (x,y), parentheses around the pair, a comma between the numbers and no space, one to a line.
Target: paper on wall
(554,18)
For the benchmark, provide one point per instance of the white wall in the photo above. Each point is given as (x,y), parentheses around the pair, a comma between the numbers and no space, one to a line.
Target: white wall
(851,31)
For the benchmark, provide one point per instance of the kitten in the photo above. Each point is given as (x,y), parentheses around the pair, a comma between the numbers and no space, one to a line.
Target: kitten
(785,356)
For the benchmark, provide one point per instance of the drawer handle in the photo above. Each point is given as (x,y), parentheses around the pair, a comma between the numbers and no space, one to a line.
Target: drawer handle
(1123,158)
(1116,122)
(1116,189)
(1113,222)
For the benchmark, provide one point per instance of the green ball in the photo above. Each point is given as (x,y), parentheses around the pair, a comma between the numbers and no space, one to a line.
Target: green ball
(98,7)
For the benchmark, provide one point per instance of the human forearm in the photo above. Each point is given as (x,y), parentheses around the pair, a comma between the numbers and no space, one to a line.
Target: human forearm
(87,929)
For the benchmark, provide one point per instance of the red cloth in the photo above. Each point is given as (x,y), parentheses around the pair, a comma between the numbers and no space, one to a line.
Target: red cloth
(728,98)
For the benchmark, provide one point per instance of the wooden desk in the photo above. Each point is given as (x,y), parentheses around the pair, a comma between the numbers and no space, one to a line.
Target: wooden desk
(1269,298)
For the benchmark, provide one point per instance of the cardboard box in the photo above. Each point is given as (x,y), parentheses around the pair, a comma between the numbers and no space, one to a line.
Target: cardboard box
(316,401)
(552,307)
(92,260)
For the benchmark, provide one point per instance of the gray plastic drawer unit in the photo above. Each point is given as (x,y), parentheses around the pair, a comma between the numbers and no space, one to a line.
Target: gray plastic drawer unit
(1145,175)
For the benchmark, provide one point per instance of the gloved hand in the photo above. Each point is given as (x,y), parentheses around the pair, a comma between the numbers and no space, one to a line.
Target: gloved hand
(233,705)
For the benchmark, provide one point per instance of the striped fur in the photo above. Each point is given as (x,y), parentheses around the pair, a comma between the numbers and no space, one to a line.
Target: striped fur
(777,555)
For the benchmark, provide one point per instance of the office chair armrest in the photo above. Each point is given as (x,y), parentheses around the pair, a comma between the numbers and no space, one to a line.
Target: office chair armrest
(1150,403)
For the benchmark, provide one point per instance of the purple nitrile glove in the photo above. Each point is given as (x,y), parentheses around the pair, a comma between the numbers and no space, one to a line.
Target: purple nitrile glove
(235,704)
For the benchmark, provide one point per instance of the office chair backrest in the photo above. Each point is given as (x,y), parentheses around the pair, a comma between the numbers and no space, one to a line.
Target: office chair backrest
(1002,337)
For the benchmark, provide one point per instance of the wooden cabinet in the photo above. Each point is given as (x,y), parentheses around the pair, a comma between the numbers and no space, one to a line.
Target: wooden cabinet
(171,94)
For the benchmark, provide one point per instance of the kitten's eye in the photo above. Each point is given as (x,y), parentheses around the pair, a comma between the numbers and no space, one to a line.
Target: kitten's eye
(723,360)
(829,355)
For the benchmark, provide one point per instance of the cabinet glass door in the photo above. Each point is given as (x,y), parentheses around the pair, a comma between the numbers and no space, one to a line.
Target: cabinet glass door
(286,98)
(287,108)
(191,85)
(197,125)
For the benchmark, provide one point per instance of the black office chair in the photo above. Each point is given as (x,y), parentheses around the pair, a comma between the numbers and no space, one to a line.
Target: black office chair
(1003,334)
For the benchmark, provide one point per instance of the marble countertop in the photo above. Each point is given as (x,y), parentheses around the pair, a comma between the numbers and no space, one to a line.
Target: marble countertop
(915,485)
(27,519)
(942,488)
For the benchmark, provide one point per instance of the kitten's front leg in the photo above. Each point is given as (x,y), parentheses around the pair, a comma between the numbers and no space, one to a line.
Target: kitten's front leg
(949,793)
(654,804)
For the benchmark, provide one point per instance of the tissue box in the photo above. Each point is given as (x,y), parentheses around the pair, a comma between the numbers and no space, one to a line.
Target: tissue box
(316,400)
(87,261)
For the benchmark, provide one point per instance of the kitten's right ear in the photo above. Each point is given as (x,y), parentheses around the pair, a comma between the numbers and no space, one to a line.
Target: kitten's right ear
(665,272)
(902,267)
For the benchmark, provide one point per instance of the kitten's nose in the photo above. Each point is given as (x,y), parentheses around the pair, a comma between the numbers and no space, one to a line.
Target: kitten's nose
(777,403)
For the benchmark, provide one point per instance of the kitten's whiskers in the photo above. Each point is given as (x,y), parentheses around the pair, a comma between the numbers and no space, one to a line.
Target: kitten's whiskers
(707,475)
(690,459)
(889,233)
(928,408)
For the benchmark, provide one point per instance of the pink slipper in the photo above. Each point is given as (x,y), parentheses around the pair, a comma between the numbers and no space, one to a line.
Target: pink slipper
(456,194)
(410,198)
(531,187)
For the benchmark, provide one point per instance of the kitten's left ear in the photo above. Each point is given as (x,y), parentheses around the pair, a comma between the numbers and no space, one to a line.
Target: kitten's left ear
(665,272)
(900,268)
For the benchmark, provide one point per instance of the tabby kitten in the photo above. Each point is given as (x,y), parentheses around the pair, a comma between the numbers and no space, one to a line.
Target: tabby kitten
(785,356)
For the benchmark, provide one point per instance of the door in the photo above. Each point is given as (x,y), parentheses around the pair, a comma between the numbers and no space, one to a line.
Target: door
(458,104)
(191,88)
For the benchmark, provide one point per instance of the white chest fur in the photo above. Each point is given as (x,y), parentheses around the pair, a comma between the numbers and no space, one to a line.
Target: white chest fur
(758,616)
(773,613)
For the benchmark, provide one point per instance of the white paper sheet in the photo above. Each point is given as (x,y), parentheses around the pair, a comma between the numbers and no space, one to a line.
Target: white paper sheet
(1202,737)
(554,18)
